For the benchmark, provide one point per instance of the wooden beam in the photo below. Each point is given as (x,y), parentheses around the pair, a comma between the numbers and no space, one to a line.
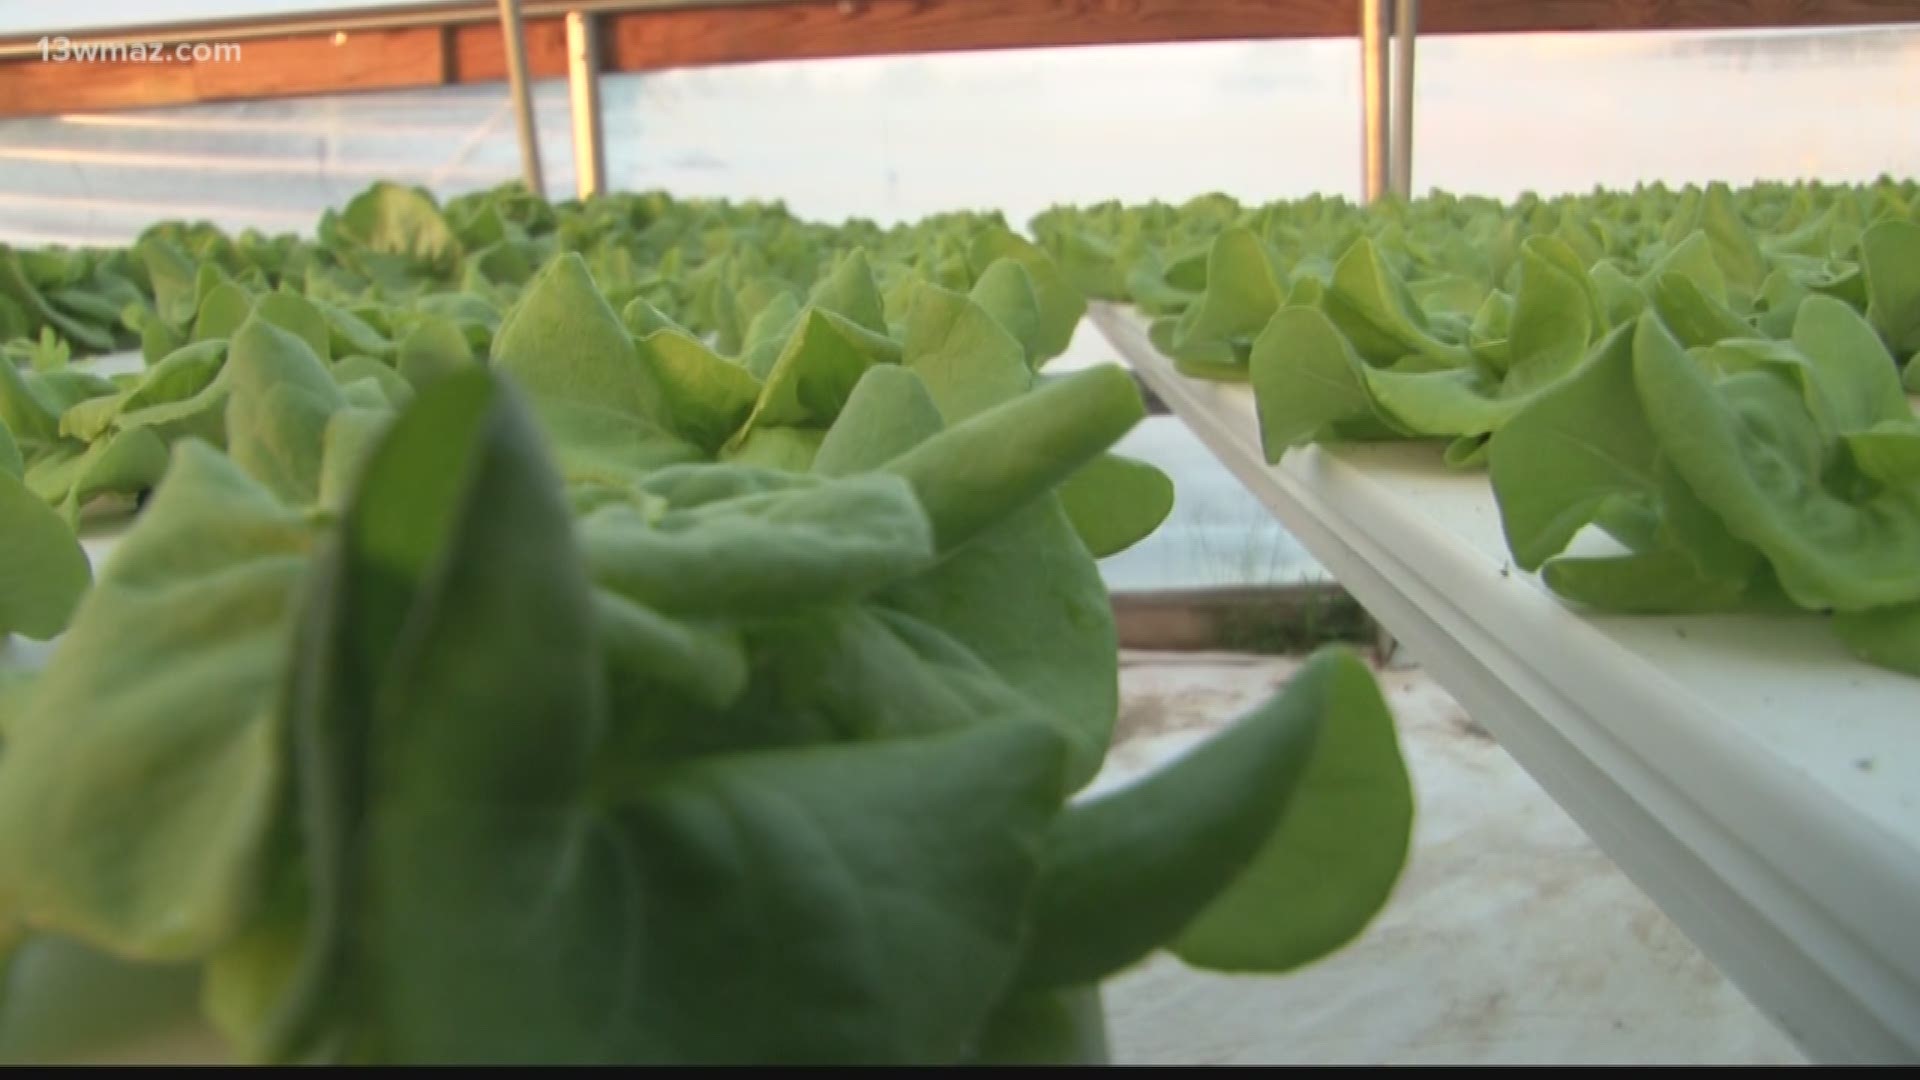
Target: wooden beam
(1292,618)
(290,67)
(1536,16)
(832,28)
(267,68)
(651,40)
(479,55)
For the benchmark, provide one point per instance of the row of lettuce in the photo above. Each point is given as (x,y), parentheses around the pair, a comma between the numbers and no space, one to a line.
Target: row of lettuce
(1710,378)
(772,319)
(638,631)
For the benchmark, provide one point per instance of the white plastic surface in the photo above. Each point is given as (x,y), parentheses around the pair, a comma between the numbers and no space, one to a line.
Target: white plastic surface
(1510,939)
(1756,781)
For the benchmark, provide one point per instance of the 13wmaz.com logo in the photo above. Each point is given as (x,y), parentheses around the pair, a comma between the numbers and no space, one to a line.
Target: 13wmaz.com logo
(61,50)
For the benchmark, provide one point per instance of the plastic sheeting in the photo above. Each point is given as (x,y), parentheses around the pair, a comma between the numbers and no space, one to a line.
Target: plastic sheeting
(1511,939)
(897,137)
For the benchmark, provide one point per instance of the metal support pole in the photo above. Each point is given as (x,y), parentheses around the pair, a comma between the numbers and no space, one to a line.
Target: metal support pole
(583,88)
(1406,17)
(1373,97)
(516,44)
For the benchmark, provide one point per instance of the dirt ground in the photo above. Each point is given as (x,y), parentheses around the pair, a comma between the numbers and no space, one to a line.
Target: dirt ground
(1510,939)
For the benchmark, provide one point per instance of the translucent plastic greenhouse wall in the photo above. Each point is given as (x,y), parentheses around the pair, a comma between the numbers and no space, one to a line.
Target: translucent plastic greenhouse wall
(901,137)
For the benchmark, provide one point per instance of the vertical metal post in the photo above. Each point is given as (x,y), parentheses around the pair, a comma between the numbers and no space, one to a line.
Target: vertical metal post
(1406,17)
(515,41)
(583,89)
(1373,97)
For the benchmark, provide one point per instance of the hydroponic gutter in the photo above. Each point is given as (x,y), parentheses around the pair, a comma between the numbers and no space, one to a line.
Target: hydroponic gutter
(1761,785)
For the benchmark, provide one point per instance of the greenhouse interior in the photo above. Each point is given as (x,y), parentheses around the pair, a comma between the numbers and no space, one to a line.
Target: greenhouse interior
(1038,532)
